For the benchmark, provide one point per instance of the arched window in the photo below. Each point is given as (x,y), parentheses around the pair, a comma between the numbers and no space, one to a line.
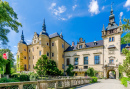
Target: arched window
(111,61)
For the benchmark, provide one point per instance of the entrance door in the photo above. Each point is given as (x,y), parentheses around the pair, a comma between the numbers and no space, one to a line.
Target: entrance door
(111,74)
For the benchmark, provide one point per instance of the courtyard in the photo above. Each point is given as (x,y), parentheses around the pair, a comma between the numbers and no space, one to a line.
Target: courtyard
(104,84)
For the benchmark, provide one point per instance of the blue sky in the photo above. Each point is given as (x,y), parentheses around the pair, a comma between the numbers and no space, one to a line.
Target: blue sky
(76,18)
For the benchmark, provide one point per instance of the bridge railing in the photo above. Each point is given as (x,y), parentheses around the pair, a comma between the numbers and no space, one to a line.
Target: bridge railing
(45,84)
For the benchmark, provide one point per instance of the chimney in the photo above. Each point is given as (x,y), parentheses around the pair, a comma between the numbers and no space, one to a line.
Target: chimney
(73,43)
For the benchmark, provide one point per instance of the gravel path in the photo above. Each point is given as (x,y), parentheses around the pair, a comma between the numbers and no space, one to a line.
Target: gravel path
(104,84)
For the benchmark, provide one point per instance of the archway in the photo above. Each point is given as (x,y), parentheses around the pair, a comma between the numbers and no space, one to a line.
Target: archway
(111,74)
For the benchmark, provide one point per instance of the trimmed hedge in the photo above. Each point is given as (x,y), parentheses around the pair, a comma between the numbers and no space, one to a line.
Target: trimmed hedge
(94,80)
(124,81)
(4,80)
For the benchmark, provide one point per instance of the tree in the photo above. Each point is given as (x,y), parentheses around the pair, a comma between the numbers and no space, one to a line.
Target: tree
(126,27)
(125,67)
(2,63)
(125,39)
(91,72)
(8,19)
(70,70)
(47,67)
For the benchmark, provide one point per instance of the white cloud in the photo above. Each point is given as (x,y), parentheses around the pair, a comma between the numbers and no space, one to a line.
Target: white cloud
(127,3)
(62,19)
(103,7)
(29,40)
(15,46)
(69,16)
(52,5)
(60,10)
(121,14)
(128,9)
(93,7)
(73,7)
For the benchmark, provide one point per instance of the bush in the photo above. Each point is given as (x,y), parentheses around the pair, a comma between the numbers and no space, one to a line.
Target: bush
(124,81)
(91,72)
(4,80)
(94,80)
(15,75)
(33,76)
(24,77)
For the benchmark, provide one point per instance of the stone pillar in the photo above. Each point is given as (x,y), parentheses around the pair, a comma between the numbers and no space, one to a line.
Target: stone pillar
(117,74)
(21,86)
(128,85)
(0,75)
(56,84)
(105,73)
(43,85)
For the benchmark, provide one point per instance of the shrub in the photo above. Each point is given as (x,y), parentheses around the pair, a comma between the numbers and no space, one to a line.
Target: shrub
(91,72)
(94,80)
(4,80)
(24,77)
(124,81)
(15,75)
(33,76)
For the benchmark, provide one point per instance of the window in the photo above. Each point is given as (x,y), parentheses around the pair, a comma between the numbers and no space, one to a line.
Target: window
(47,54)
(25,67)
(18,65)
(29,58)
(110,39)
(97,59)
(33,57)
(39,53)
(76,67)
(52,54)
(24,57)
(85,60)
(33,49)
(18,56)
(62,45)
(62,55)
(67,61)
(24,49)
(39,42)
(29,50)
(47,43)
(75,74)
(75,61)
(111,61)
(52,43)
(80,46)
(29,66)
(85,67)
(37,47)
(33,66)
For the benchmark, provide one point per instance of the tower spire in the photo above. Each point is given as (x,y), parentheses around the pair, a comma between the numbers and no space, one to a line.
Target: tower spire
(111,9)
(22,38)
(44,25)
(120,23)
(103,29)
(61,34)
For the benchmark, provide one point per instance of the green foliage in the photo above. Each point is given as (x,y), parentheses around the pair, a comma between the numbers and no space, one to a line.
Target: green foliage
(125,39)
(8,67)
(4,80)
(94,80)
(8,18)
(33,76)
(15,75)
(47,67)
(126,26)
(24,77)
(2,62)
(124,81)
(91,72)
(125,67)
(70,70)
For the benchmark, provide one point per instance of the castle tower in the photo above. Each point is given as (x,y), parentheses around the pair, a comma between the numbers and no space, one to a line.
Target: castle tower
(112,47)
(22,57)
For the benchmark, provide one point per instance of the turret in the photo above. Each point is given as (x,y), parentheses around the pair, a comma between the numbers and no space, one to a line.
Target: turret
(44,29)
(22,39)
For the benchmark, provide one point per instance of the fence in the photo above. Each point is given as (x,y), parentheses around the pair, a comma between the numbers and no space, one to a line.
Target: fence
(45,84)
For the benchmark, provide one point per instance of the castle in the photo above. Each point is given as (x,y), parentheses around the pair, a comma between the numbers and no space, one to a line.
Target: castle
(103,55)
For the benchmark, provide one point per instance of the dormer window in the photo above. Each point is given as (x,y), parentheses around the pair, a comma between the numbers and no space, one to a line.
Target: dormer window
(95,42)
(80,46)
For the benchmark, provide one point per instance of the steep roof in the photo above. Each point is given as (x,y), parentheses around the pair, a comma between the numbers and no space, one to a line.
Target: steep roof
(54,35)
(123,46)
(88,45)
